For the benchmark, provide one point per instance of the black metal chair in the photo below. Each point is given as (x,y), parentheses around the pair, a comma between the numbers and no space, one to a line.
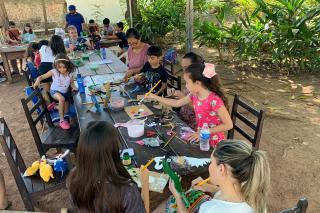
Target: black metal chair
(301,207)
(30,188)
(53,136)
(256,127)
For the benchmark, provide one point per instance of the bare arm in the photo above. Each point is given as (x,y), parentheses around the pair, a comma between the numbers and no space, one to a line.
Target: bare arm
(41,77)
(169,101)
(163,87)
(225,119)
(10,40)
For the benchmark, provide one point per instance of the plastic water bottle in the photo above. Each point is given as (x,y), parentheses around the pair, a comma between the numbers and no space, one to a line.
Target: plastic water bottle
(205,138)
(104,53)
(80,84)
(95,102)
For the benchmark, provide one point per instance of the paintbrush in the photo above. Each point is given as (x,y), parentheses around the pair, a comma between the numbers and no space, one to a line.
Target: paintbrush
(203,182)
(149,92)
(148,164)
(170,139)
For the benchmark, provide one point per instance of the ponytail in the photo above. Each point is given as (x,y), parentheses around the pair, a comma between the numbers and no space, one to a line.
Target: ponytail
(250,168)
(255,189)
(213,84)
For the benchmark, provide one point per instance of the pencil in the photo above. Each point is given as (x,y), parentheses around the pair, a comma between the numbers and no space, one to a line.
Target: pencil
(203,182)
(150,91)
(148,164)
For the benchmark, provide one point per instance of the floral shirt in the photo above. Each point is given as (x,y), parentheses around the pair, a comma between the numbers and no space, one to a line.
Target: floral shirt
(206,112)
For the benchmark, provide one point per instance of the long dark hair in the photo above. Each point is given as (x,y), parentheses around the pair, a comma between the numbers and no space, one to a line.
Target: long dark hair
(96,181)
(133,33)
(213,84)
(194,58)
(57,46)
(65,60)
(250,168)
(24,29)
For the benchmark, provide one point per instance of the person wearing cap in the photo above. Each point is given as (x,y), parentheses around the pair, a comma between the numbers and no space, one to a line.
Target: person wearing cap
(75,19)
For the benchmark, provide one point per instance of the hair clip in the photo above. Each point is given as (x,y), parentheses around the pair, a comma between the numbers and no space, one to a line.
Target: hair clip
(209,70)
(62,59)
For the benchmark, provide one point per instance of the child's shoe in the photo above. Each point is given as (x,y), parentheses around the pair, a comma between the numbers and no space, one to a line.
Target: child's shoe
(64,124)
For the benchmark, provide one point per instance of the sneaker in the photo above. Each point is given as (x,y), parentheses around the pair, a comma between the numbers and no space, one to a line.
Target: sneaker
(64,124)
(51,106)
(2,79)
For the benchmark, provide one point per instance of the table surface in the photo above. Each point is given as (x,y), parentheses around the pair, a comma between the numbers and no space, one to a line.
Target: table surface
(142,153)
(15,48)
(105,41)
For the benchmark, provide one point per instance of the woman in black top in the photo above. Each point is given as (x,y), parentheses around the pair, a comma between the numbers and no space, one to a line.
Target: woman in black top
(99,182)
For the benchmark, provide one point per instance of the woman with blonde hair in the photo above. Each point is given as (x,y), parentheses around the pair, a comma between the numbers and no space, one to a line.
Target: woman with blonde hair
(239,181)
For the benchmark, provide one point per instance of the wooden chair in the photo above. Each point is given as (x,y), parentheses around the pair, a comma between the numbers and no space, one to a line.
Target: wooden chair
(301,207)
(173,81)
(30,188)
(54,136)
(257,128)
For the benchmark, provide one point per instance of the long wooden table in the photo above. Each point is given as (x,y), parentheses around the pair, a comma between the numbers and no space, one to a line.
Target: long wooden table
(11,53)
(142,153)
(109,43)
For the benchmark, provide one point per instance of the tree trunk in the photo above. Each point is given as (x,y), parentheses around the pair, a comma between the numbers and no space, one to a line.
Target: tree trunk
(134,8)
(4,20)
(45,17)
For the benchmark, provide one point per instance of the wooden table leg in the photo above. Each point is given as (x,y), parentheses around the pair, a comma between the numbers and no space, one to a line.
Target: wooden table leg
(6,67)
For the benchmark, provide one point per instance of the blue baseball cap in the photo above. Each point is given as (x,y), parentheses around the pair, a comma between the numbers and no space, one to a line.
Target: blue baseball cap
(72,7)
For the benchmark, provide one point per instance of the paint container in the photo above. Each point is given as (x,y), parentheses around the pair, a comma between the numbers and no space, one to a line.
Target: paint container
(126,159)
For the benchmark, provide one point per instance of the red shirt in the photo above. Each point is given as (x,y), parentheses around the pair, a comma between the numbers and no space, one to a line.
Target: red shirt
(13,34)
(37,59)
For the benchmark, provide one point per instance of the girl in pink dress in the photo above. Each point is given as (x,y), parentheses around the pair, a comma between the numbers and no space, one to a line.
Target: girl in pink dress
(209,101)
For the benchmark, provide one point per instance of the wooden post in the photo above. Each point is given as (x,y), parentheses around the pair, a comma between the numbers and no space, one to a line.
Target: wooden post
(130,13)
(189,20)
(45,17)
(3,15)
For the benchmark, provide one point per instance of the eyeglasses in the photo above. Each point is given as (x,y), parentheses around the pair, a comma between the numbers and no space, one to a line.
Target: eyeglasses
(133,43)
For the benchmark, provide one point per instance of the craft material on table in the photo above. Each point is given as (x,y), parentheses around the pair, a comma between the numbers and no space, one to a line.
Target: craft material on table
(152,142)
(105,61)
(135,127)
(157,181)
(192,199)
(150,91)
(182,161)
(138,111)
(117,103)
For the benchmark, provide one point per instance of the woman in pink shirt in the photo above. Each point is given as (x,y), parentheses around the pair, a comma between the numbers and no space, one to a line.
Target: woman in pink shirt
(137,53)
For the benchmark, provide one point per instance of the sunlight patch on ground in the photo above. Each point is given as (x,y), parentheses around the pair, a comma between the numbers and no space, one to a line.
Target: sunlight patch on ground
(307,90)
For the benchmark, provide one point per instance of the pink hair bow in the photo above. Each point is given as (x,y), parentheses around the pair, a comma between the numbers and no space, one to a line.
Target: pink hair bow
(209,70)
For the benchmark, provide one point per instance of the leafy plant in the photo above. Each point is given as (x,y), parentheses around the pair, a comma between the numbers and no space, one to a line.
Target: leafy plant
(156,18)
(96,13)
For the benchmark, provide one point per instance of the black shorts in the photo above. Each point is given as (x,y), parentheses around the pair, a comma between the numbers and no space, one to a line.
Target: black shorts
(43,69)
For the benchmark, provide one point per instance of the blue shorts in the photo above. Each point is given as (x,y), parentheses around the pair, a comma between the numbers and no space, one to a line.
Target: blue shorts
(65,95)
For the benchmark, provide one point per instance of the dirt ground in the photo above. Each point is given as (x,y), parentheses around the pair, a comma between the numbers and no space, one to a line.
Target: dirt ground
(291,133)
